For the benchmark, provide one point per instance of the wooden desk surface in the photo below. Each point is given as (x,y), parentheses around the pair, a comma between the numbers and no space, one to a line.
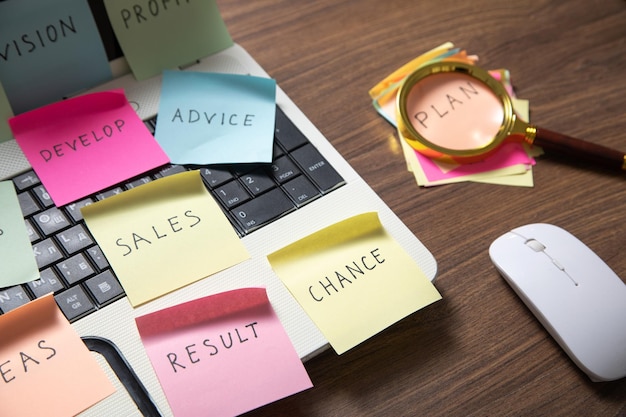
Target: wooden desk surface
(479,351)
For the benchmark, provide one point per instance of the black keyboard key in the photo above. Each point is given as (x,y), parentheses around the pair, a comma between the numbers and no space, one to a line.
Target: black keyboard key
(26,180)
(46,252)
(269,206)
(27,203)
(75,239)
(242,169)
(283,169)
(171,170)
(318,168)
(232,194)
(51,221)
(75,269)
(33,234)
(74,209)
(258,181)
(136,183)
(104,288)
(214,177)
(43,197)
(11,298)
(48,282)
(277,151)
(287,133)
(74,303)
(151,125)
(97,257)
(109,193)
(301,190)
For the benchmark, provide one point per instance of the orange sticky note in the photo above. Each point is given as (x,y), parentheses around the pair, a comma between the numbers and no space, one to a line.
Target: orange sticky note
(45,368)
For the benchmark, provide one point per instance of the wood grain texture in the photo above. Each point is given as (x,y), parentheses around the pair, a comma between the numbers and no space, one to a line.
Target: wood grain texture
(478,352)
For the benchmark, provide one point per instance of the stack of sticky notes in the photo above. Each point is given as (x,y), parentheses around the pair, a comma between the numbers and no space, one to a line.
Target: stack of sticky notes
(510,165)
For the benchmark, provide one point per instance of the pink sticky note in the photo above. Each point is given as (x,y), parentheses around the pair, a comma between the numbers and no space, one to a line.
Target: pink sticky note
(45,369)
(84,144)
(224,354)
(508,154)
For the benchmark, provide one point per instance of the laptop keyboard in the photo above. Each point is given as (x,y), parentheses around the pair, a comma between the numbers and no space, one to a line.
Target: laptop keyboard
(73,267)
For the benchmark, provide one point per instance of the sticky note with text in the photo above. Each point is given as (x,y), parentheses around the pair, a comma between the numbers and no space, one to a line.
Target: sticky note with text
(510,165)
(353,279)
(49,50)
(210,118)
(222,355)
(159,35)
(164,235)
(42,356)
(84,144)
(17,261)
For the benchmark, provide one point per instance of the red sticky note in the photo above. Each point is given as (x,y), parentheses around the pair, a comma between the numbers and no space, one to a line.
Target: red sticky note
(224,354)
(45,369)
(85,144)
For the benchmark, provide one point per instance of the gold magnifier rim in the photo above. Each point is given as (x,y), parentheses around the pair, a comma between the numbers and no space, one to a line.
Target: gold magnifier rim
(475,72)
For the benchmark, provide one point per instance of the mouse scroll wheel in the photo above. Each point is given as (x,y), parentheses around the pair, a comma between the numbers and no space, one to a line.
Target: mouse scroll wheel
(535,245)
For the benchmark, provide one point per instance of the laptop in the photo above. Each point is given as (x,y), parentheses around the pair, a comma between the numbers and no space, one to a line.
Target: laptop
(105,319)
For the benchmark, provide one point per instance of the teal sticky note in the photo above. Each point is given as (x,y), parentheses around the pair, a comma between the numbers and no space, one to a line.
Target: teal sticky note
(5,114)
(49,50)
(17,261)
(159,35)
(211,118)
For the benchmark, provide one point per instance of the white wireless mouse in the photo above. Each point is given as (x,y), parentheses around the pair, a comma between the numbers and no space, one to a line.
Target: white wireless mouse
(573,293)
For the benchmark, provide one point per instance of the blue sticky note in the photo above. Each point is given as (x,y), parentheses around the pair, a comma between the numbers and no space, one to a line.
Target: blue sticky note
(211,118)
(49,50)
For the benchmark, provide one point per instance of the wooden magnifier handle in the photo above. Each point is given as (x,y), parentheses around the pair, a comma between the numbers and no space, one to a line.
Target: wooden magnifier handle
(579,148)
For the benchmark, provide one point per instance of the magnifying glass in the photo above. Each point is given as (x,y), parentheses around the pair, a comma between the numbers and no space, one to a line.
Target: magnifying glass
(457,112)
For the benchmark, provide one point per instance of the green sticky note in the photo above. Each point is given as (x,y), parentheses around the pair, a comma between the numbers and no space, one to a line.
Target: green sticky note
(49,50)
(159,35)
(17,260)
(5,113)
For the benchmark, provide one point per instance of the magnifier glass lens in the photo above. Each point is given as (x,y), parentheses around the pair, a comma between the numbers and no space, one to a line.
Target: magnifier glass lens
(455,111)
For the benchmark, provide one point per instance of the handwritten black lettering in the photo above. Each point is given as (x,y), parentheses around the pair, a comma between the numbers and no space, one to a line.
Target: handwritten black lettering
(138,14)
(27,359)
(213,119)
(119,242)
(230,343)
(206,342)
(190,353)
(190,215)
(340,278)
(194,353)
(52,350)
(4,371)
(82,141)
(28,43)
(172,358)
(175,224)
(453,103)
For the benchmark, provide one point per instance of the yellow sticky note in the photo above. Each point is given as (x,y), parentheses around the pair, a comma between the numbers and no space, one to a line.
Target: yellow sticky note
(164,235)
(353,279)
(384,93)
(45,369)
